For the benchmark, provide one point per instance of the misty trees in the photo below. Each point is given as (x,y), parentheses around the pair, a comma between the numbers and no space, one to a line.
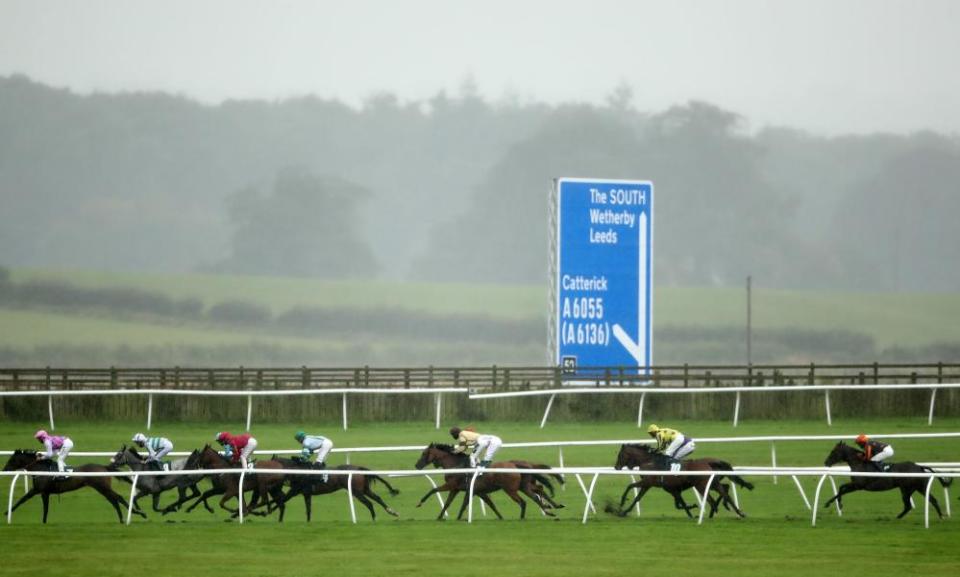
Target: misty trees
(717,219)
(306,226)
(898,229)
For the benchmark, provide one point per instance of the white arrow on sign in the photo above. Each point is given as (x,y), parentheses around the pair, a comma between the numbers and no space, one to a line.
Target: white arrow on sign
(638,349)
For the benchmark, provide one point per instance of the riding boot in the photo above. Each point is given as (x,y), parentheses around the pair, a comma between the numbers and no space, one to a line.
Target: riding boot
(322,466)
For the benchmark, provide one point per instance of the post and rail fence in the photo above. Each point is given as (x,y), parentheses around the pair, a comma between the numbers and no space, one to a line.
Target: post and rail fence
(515,389)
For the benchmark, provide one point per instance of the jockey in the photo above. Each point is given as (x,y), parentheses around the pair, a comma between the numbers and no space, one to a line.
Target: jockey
(157,448)
(874,451)
(51,443)
(483,446)
(241,446)
(672,444)
(314,444)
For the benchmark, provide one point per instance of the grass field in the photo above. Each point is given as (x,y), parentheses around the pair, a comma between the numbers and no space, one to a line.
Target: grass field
(84,538)
(904,319)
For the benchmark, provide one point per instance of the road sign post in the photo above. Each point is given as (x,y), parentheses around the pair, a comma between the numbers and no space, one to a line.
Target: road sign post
(603,275)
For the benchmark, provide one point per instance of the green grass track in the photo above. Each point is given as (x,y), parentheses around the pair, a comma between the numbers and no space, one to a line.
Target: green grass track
(84,538)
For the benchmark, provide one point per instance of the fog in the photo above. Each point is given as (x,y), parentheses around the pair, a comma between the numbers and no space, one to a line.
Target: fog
(813,146)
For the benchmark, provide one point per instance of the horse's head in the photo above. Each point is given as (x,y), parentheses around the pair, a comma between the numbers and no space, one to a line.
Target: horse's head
(633,456)
(120,457)
(20,459)
(427,457)
(208,458)
(839,454)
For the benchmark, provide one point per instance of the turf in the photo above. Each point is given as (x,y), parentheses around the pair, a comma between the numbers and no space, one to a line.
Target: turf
(83,536)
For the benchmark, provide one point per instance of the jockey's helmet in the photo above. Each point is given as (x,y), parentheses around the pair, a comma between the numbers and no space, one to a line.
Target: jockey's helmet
(300,436)
(41,435)
(862,439)
(222,437)
(653,429)
(454,432)
(139,438)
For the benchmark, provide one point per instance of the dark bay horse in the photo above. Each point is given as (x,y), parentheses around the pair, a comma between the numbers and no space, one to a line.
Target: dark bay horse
(46,486)
(643,457)
(154,486)
(442,456)
(263,485)
(843,453)
(360,485)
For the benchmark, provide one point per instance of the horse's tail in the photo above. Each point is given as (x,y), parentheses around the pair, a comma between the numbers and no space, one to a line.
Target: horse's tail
(393,492)
(945,481)
(725,466)
(540,477)
(556,476)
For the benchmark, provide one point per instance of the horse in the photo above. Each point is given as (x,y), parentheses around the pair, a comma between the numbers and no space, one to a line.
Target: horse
(45,486)
(155,485)
(644,457)
(264,486)
(442,456)
(908,485)
(360,485)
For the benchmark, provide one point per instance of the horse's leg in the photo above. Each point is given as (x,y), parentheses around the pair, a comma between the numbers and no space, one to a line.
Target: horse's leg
(512,493)
(366,503)
(727,501)
(369,493)
(432,492)
(114,499)
(935,503)
(489,502)
(905,494)
(623,498)
(843,490)
(640,494)
(45,497)
(453,493)
(203,499)
(536,499)
(26,497)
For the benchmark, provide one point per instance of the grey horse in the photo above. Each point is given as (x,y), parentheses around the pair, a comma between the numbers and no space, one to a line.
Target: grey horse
(155,485)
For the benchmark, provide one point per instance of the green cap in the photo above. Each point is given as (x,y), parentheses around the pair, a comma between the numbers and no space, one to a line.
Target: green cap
(300,436)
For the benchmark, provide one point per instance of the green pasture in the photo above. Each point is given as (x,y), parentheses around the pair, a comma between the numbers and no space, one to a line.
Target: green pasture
(84,538)
(901,319)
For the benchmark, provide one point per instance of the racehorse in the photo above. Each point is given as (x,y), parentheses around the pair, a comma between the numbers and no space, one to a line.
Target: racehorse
(46,486)
(310,485)
(155,485)
(644,457)
(264,486)
(442,456)
(908,485)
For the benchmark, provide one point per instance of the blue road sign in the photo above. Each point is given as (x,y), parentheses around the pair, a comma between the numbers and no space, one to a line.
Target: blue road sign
(604,274)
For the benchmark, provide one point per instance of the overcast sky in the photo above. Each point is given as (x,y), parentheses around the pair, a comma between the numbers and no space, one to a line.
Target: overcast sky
(827,66)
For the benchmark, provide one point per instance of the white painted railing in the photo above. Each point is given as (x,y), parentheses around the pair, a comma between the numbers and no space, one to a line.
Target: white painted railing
(437,392)
(772,439)
(150,393)
(644,391)
(822,473)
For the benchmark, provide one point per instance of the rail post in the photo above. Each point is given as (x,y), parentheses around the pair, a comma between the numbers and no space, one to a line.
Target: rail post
(773,458)
(344,410)
(13,486)
(589,505)
(563,486)
(437,495)
(933,401)
(643,396)
(736,410)
(704,502)
(249,410)
(546,413)
(437,419)
(473,480)
(816,497)
(353,508)
(133,493)
(240,496)
(926,503)
(826,400)
(149,410)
